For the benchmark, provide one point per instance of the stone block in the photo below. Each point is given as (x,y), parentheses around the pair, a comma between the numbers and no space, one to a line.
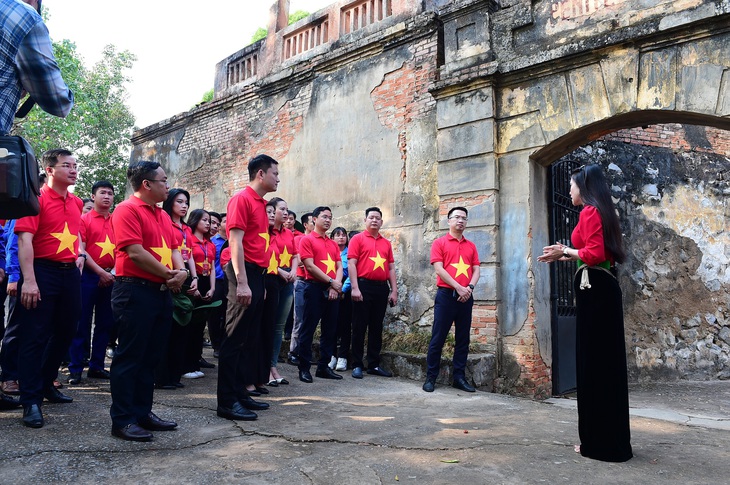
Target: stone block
(520,133)
(699,88)
(466,36)
(467,175)
(657,86)
(588,94)
(488,287)
(481,369)
(465,108)
(466,140)
(620,73)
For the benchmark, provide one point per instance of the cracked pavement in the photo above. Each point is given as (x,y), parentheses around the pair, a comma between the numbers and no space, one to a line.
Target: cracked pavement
(374,430)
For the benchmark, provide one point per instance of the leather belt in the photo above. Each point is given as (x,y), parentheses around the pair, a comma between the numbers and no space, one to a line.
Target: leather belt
(142,282)
(372,282)
(55,264)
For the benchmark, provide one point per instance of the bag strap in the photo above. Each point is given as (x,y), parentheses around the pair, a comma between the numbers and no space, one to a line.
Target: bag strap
(25,108)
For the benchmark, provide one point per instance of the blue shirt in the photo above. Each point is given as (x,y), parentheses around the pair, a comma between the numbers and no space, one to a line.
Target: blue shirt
(346,286)
(10,260)
(27,62)
(219,242)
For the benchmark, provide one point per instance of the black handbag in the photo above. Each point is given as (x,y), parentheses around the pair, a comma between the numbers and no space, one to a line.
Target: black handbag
(19,184)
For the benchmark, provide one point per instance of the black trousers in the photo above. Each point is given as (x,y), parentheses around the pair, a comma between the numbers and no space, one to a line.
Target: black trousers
(217,316)
(317,307)
(45,332)
(368,315)
(344,327)
(142,316)
(271,311)
(447,310)
(241,337)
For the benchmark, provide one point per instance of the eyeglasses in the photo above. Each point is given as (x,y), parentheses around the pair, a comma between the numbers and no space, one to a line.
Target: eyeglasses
(329,218)
(67,166)
(459,218)
(164,181)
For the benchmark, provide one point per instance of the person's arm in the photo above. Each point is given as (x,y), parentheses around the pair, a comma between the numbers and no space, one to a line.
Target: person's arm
(235,242)
(393,298)
(81,260)
(12,265)
(462,291)
(105,277)
(354,284)
(30,295)
(148,263)
(40,75)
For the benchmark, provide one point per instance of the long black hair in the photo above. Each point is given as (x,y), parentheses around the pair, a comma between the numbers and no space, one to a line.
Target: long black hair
(594,192)
(194,218)
(171,195)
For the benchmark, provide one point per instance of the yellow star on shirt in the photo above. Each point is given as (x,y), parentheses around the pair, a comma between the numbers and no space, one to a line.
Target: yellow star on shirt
(461,268)
(266,237)
(107,247)
(273,265)
(67,239)
(285,258)
(165,254)
(378,261)
(330,263)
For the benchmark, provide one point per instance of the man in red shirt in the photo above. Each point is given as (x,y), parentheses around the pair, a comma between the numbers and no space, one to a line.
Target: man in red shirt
(147,268)
(456,262)
(49,287)
(97,242)
(298,307)
(321,289)
(248,238)
(371,267)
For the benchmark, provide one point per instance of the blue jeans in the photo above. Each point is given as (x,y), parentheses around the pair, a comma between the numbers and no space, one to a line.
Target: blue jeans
(95,302)
(286,297)
(299,286)
(448,310)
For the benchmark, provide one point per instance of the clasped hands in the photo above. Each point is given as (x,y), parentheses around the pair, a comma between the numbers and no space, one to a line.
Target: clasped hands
(552,253)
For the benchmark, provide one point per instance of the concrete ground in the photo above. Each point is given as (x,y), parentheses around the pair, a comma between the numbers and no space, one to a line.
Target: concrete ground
(374,430)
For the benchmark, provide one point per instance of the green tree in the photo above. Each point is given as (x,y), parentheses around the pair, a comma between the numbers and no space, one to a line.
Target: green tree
(208,96)
(100,125)
(294,17)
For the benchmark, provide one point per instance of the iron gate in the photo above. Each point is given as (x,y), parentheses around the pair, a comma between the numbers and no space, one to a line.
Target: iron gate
(563,218)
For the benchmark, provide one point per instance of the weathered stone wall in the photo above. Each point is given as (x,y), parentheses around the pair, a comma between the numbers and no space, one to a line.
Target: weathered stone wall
(674,210)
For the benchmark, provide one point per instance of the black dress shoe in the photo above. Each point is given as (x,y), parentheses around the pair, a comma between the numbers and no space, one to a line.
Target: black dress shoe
(293,359)
(305,376)
(249,403)
(236,413)
(166,387)
(98,374)
(205,364)
(262,390)
(74,378)
(327,373)
(461,383)
(57,397)
(7,403)
(32,416)
(253,392)
(132,432)
(152,422)
(429,385)
(379,371)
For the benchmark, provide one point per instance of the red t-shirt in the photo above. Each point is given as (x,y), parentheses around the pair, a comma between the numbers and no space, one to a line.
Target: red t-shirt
(203,253)
(247,211)
(272,255)
(374,256)
(185,233)
(457,256)
(587,237)
(285,247)
(323,250)
(301,273)
(96,232)
(56,228)
(136,222)
(225,257)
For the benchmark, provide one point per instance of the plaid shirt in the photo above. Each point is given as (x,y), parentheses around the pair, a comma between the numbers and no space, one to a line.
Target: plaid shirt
(27,62)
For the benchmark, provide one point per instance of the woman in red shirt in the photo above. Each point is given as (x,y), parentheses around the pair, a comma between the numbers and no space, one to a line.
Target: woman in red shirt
(602,383)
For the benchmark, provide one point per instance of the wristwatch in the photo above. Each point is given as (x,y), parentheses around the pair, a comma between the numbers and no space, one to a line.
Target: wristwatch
(82,255)
(565,252)
(470,286)
(330,281)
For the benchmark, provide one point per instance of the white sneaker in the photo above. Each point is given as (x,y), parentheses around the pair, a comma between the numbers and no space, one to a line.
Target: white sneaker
(341,364)
(190,375)
(199,374)
(333,363)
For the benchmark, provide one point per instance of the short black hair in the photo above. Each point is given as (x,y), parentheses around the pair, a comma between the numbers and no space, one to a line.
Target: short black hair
(306,217)
(86,200)
(373,209)
(317,211)
(139,171)
(466,212)
(340,230)
(50,157)
(260,162)
(216,215)
(101,183)
(292,213)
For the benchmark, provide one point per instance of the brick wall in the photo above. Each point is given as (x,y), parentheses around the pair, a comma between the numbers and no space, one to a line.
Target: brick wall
(676,137)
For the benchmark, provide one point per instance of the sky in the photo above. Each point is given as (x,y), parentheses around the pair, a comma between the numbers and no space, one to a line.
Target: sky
(177,43)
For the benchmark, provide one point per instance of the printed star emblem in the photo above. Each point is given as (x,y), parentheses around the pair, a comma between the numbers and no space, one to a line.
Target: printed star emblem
(107,247)
(330,264)
(67,239)
(461,268)
(285,258)
(165,254)
(266,237)
(378,261)
(273,265)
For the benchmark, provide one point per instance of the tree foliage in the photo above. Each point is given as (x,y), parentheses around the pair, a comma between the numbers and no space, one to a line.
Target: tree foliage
(294,17)
(100,125)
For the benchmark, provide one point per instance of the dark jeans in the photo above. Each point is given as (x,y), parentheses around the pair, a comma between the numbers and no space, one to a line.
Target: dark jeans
(448,310)
(95,302)
(46,331)
(368,315)
(194,343)
(299,286)
(241,337)
(142,316)
(268,324)
(217,316)
(344,327)
(11,343)
(317,307)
